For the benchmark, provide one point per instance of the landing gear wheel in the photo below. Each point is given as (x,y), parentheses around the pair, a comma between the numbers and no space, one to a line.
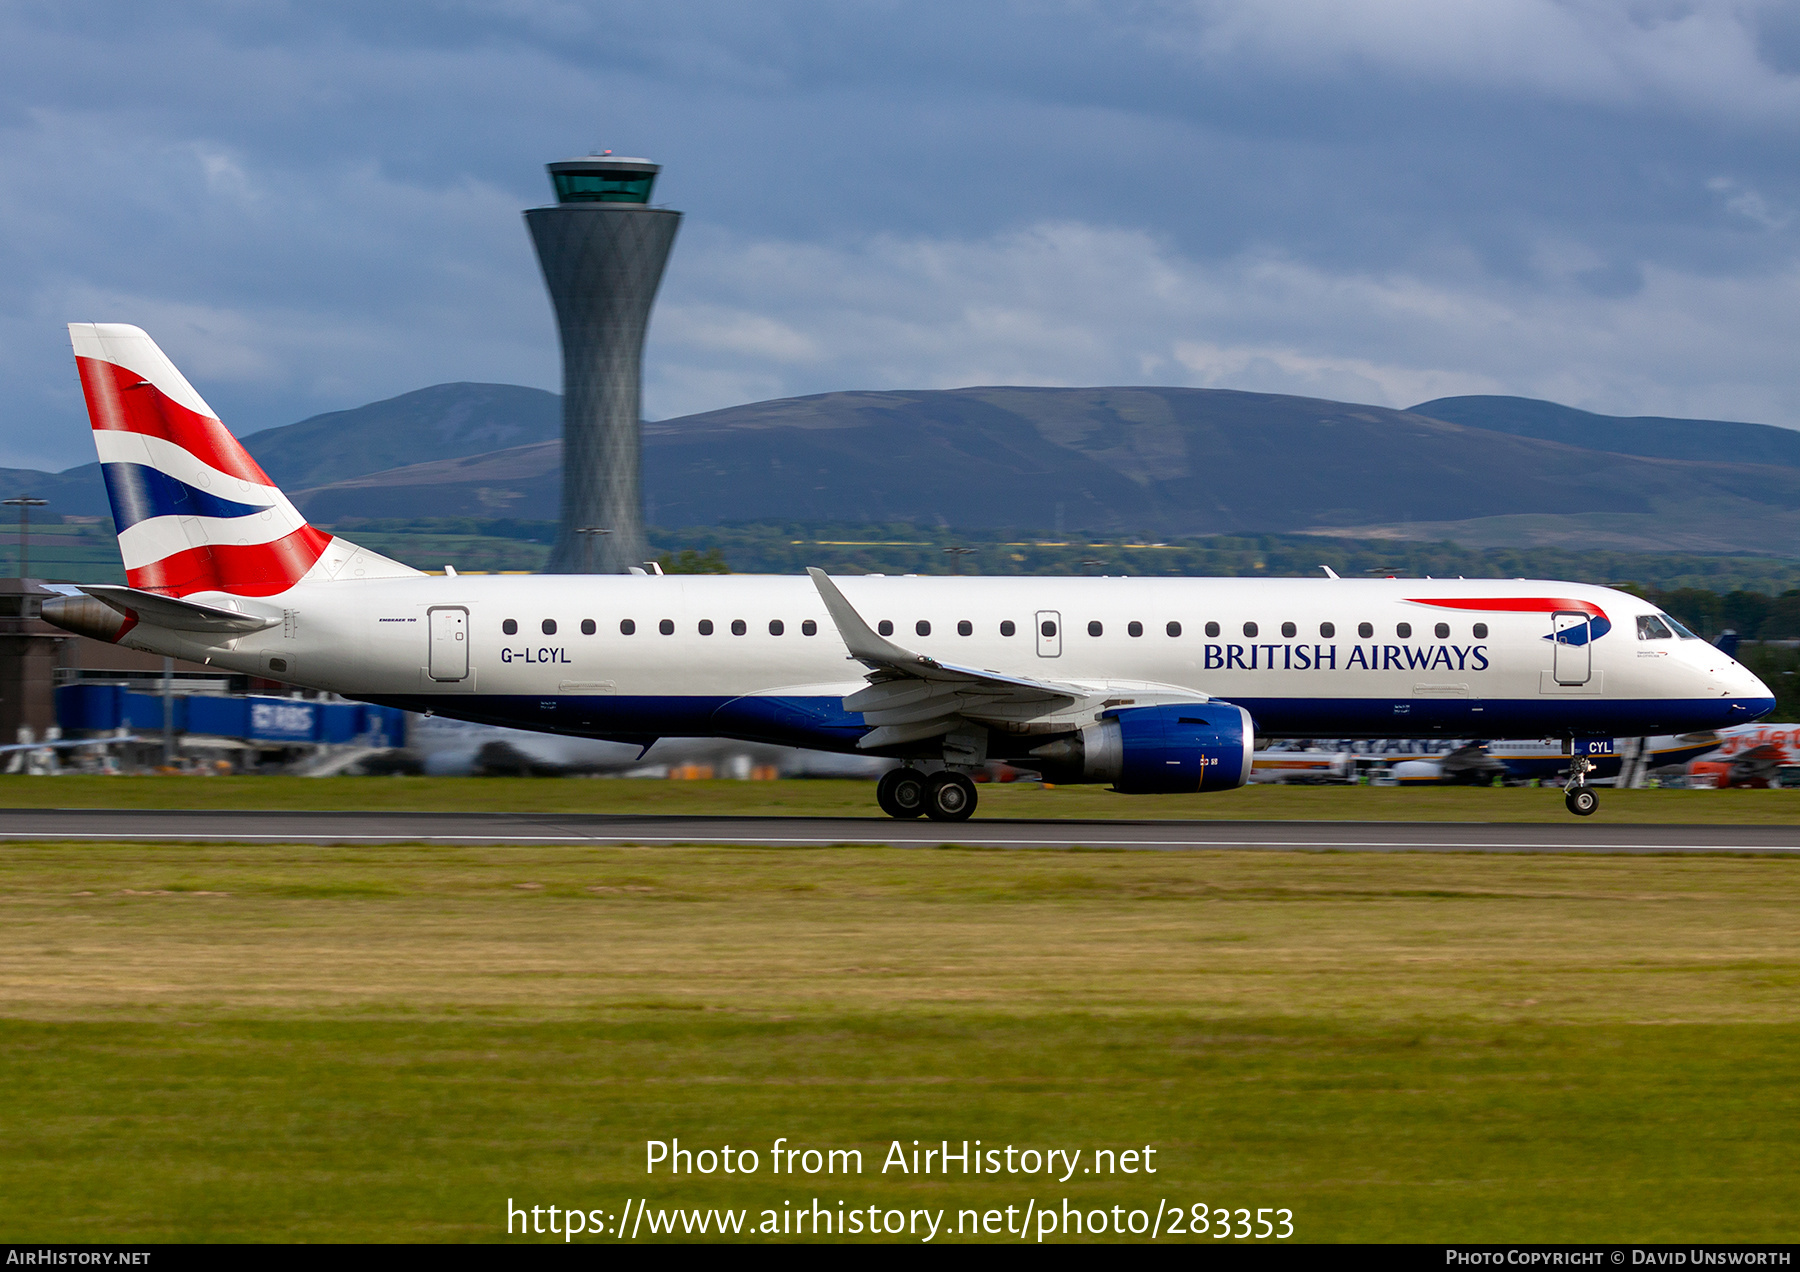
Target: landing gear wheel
(1578,798)
(901,793)
(949,797)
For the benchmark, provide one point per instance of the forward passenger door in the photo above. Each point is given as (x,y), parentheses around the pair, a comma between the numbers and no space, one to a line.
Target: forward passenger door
(1573,642)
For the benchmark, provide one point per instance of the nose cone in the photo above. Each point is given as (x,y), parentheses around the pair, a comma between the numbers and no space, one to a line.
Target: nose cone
(1750,698)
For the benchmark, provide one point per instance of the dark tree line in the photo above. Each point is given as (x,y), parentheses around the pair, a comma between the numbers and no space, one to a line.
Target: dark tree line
(1752,615)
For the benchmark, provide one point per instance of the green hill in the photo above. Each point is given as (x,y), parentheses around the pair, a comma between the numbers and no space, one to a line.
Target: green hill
(1649,435)
(1163,463)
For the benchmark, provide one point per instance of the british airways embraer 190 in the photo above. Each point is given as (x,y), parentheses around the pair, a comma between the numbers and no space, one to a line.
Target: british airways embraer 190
(1153,685)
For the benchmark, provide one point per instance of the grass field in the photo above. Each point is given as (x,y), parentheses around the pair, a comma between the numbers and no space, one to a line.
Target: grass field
(245,1043)
(857,799)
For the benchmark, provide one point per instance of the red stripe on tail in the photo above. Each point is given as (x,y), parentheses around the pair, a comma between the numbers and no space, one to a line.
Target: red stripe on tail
(123,401)
(258,569)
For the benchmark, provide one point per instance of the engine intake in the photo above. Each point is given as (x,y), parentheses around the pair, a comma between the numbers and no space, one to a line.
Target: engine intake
(1157,750)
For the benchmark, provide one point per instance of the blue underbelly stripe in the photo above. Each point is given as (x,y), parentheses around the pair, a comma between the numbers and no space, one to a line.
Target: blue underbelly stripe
(822,723)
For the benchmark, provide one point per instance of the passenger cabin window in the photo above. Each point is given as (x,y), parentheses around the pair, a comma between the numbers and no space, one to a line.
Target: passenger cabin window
(1007,628)
(666,627)
(1480,630)
(1212,629)
(1442,630)
(809,628)
(1403,630)
(1250,629)
(922,627)
(1678,629)
(885,627)
(1328,630)
(1174,629)
(776,627)
(627,627)
(739,627)
(587,627)
(1134,629)
(510,627)
(1048,627)
(549,626)
(1288,630)
(1365,630)
(964,627)
(706,627)
(1094,629)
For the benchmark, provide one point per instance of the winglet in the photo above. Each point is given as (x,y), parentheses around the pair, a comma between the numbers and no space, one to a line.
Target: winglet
(1329,572)
(859,638)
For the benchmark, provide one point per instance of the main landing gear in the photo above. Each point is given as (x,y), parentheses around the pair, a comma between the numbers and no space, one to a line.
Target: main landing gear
(1578,795)
(906,792)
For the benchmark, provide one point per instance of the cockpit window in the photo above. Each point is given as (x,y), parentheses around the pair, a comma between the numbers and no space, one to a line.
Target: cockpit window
(1680,631)
(1651,627)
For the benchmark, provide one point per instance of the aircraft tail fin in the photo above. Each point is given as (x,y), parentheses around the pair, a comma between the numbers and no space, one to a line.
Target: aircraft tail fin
(194,512)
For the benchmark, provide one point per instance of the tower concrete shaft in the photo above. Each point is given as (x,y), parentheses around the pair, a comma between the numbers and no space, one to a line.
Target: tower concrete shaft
(602,250)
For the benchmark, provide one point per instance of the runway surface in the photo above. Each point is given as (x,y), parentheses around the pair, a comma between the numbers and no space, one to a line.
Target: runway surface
(1595,836)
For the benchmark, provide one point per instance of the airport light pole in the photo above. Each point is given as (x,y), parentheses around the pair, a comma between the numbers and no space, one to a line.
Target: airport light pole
(24,503)
(168,706)
(588,534)
(956,556)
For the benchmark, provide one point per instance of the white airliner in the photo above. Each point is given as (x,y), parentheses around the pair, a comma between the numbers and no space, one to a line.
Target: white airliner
(1152,685)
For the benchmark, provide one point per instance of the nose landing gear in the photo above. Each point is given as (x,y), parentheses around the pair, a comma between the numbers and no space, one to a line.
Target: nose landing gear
(906,792)
(1578,796)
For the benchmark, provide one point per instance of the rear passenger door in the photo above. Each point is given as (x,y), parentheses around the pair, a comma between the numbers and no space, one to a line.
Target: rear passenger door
(1049,634)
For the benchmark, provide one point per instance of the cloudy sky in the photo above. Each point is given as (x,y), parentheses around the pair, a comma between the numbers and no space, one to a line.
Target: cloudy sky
(314,205)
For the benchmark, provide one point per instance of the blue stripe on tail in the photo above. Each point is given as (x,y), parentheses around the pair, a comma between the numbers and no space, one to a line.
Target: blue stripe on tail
(140,492)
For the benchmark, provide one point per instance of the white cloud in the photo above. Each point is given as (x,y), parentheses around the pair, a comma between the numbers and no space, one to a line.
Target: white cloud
(1749,204)
(1692,54)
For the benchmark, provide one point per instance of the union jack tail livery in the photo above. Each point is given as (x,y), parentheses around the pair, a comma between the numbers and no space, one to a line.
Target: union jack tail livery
(194,512)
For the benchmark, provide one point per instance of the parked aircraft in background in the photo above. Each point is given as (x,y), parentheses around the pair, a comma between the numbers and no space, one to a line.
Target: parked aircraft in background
(1478,763)
(1751,755)
(1784,738)
(1152,685)
(1305,765)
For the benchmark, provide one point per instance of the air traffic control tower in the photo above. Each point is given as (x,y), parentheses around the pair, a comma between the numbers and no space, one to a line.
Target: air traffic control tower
(602,249)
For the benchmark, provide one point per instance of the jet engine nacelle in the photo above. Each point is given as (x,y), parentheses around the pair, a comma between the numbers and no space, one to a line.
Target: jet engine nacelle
(1157,750)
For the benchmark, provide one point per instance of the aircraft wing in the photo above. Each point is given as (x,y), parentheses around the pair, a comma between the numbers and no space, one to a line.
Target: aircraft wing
(175,613)
(912,696)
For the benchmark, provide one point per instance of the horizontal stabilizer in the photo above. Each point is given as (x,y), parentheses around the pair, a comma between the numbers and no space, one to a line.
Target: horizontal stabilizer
(177,614)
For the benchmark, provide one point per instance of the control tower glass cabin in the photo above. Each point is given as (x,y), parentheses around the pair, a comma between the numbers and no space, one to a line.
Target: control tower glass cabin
(602,249)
